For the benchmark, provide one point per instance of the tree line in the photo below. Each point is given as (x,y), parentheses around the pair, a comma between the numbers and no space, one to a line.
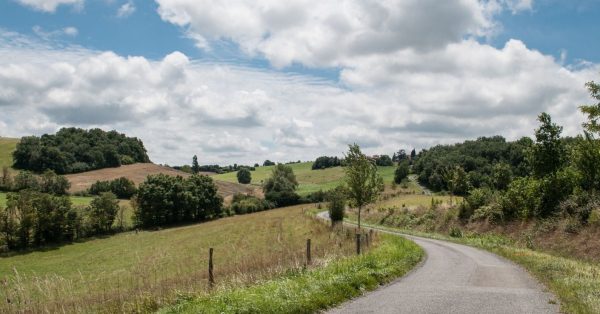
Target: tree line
(73,150)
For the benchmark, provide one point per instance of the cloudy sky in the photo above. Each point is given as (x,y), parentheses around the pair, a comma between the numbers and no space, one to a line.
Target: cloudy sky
(243,81)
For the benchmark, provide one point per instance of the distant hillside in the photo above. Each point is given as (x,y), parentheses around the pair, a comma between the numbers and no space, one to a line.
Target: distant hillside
(7,147)
(138,173)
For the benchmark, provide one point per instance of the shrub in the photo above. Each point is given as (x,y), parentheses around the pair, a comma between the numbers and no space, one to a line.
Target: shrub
(401,172)
(268,163)
(594,219)
(244,176)
(246,204)
(283,198)
(455,232)
(337,204)
(122,188)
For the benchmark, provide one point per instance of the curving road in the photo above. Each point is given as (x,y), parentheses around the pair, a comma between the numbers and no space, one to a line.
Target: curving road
(456,278)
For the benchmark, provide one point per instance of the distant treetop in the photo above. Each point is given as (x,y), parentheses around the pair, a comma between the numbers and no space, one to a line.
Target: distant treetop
(73,150)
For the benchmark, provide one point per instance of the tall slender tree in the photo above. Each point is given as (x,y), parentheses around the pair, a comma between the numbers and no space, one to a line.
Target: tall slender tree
(195,165)
(361,178)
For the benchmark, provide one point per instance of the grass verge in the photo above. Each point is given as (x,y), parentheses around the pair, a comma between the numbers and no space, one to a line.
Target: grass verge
(576,283)
(306,291)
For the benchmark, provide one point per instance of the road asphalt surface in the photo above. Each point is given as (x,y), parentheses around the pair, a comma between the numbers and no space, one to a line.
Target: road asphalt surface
(455,278)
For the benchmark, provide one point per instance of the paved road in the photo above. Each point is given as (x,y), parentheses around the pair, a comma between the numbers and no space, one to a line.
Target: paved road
(456,278)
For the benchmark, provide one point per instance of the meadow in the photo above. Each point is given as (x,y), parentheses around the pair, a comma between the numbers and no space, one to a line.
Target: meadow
(7,146)
(309,180)
(141,271)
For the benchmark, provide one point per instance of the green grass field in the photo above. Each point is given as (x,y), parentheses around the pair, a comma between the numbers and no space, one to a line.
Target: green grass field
(132,271)
(7,147)
(309,180)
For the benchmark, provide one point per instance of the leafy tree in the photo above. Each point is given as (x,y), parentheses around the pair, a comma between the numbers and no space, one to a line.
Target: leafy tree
(268,163)
(413,154)
(401,172)
(400,156)
(122,188)
(324,162)
(592,111)
(26,180)
(195,165)
(281,186)
(102,212)
(163,199)
(384,161)
(501,175)
(54,184)
(548,153)
(361,179)
(337,204)
(244,176)
(458,181)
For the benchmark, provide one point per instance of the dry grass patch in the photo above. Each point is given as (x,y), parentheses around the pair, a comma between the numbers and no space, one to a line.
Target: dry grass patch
(138,272)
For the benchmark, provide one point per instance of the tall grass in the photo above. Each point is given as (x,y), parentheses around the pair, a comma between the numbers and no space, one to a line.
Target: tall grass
(307,291)
(140,272)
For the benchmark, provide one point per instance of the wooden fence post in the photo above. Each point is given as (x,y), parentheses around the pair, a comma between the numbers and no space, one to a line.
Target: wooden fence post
(308,257)
(357,243)
(211,278)
(367,239)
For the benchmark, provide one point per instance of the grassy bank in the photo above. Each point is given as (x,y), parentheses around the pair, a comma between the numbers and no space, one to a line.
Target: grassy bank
(575,282)
(309,180)
(7,147)
(312,290)
(142,271)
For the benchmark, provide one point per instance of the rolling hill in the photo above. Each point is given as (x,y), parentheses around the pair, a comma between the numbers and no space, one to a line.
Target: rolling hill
(138,173)
(309,180)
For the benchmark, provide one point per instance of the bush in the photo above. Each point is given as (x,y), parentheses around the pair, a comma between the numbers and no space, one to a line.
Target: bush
(246,204)
(455,232)
(594,219)
(268,163)
(122,187)
(244,176)
(401,172)
(283,198)
(337,204)
(522,198)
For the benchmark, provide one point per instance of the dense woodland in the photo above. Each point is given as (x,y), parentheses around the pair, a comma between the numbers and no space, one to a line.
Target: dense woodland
(73,150)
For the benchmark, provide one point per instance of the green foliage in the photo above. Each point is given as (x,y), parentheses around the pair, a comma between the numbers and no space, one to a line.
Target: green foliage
(281,186)
(548,153)
(6,180)
(477,158)
(592,111)
(324,162)
(244,176)
(522,198)
(458,181)
(164,199)
(74,150)
(501,175)
(268,163)
(337,204)
(26,180)
(476,199)
(122,188)
(52,183)
(586,158)
(32,218)
(362,181)
(314,290)
(455,232)
(102,212)
(401,172)
(195,166)
(246,204)
(384,161)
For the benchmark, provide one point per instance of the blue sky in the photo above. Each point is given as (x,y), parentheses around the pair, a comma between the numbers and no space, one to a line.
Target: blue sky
(244,81)
(551,26)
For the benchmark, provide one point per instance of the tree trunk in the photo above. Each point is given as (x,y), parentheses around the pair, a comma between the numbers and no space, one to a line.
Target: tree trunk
(359,208)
